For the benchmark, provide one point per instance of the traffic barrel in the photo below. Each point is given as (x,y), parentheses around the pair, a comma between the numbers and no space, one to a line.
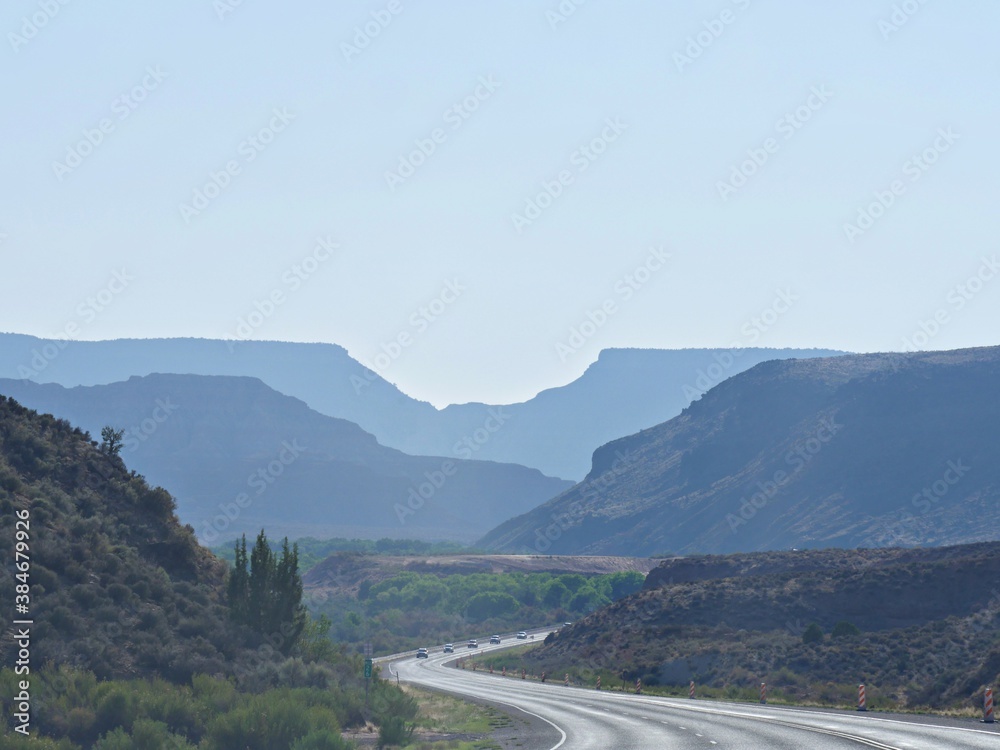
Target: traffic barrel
(862,704)
(598,682)
(763,692)
(691,690)
(505,671)
(638,687)
(566,680)
(988,706)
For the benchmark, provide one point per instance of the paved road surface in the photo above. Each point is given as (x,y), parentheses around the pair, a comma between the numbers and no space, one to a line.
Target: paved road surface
(581,719)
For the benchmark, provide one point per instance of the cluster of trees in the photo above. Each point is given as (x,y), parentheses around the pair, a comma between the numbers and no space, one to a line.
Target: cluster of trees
(265,591)
(413,609)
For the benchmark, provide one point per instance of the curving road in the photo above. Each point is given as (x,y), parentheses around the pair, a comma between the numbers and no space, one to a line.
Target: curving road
(581,719)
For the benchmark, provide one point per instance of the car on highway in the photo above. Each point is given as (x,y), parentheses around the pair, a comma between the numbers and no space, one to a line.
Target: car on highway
(494,639)
(567,624)
(521,635)
(473,643)
(421,653)
(449,648)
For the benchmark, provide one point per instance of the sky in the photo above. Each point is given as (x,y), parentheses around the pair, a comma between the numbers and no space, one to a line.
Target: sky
(475,199)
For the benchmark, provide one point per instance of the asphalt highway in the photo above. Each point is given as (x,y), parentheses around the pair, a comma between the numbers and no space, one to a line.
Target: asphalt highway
(577,718)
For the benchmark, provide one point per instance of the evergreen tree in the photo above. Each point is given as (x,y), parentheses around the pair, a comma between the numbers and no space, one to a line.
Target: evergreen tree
(267,596)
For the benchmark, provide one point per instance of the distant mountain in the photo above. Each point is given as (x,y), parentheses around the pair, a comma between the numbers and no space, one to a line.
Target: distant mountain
(556,431)
(860,450)
(240,456)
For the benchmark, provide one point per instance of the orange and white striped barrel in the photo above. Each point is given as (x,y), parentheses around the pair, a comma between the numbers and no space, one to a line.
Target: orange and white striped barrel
(862,702)
(598,682)
(988,706)
(691,690)
(638,687)
(566,680)
(763,692)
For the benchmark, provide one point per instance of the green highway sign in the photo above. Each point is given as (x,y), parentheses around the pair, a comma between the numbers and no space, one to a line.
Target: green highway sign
(368,669)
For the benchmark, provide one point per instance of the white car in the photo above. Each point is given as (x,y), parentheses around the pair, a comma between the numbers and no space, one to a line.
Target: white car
(521,635)
(449,648)
(421,653)
(473,643)
(494,639)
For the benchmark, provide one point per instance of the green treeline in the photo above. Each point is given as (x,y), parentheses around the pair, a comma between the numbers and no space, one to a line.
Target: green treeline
(413,609)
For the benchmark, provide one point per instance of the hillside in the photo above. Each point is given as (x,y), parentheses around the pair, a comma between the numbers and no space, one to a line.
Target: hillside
(556,431)
(853,451)
(118,586)
(239,457)
(926,629)
(131,639)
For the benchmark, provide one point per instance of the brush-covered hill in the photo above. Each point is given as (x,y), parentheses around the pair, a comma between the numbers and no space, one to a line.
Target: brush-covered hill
(132,642)
(239,456)
(117,585)
(555,431)
(920,627)
(858,450)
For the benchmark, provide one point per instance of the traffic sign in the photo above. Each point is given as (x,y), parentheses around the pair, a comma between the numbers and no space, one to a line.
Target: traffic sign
(368,669)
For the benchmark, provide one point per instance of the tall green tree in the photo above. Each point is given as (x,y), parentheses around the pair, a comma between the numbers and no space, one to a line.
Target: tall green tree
(265,591)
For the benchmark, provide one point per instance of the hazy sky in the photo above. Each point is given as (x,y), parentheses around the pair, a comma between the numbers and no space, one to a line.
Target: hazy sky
(476,180)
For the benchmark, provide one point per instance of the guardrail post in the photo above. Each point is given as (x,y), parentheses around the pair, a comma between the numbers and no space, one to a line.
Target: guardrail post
(763,692)
(862,703)
(988,706)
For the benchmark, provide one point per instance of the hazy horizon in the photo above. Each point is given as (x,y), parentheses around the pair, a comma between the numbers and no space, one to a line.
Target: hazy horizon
(483,198)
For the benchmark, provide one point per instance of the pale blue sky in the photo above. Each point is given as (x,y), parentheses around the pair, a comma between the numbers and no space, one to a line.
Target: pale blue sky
(552,90)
